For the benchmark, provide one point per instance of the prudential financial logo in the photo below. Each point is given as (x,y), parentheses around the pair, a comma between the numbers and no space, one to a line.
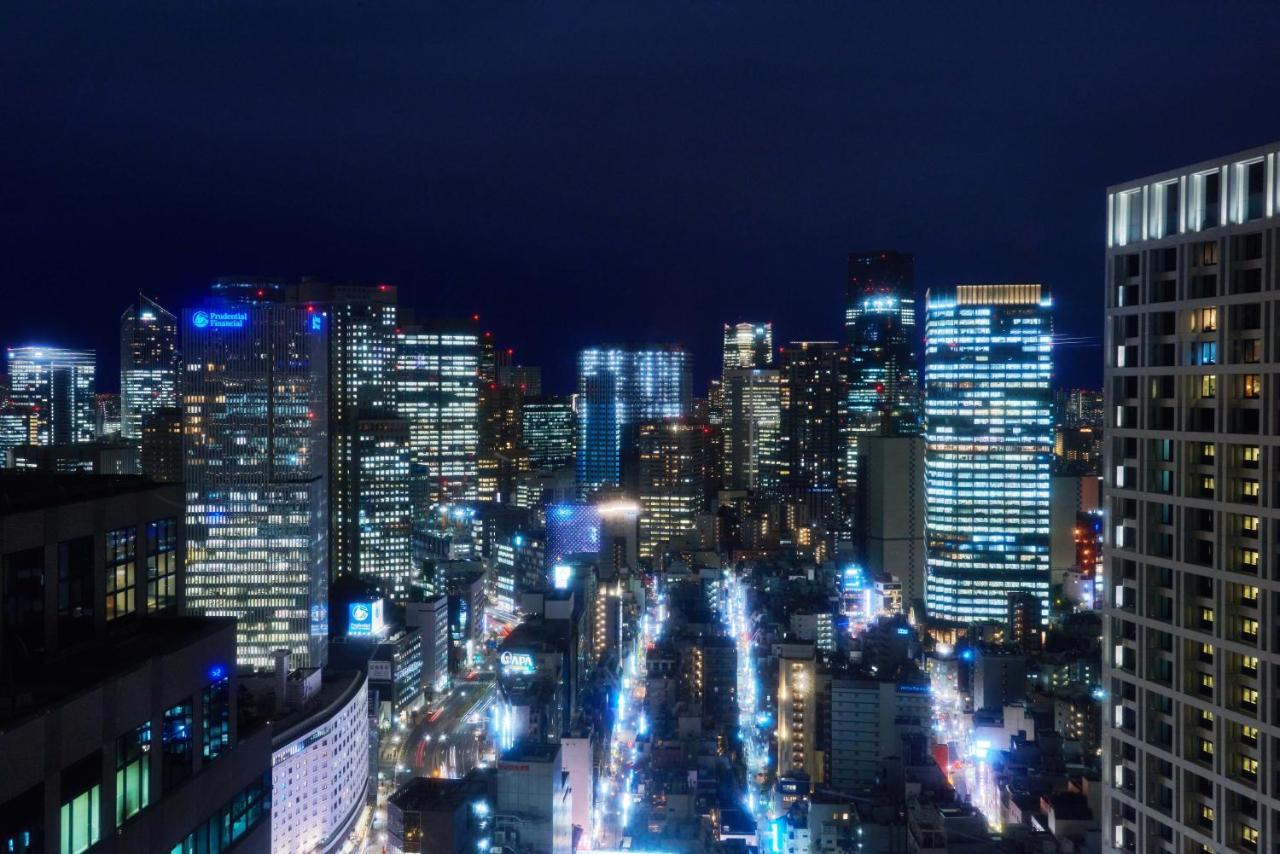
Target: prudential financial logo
(200,320)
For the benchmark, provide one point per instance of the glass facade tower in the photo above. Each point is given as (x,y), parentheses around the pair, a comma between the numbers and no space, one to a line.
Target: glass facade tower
(148,364)
(437,392)
(989,449)
(617,389)
(255,393)
(748,345)
(57,387)
(880,320)
(369,450)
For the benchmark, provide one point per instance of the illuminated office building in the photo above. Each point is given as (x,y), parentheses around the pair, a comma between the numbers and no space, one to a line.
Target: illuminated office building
(256,469)
(106,422)
(672,484)
(56,385)
(437,392)
(618,389)
(369,444)
(502,454)
(17,428)
(813,391)
(751,429)
(748,345)
(547,432)
(988,452)
(880,321)
(1190,722)
(148,364)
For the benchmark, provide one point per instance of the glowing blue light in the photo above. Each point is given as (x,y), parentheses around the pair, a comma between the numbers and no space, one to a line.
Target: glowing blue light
(967,655)
(217,672)
(904,631)
(316,322)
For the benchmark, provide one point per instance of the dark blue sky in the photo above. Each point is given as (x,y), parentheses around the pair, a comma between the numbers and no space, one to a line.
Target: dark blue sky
(582,172)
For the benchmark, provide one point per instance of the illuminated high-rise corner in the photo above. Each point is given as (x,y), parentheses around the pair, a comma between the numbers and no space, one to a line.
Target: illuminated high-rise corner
(255,394)
(618,389)
(752,429)
(674,468)
(989,449)
(149,364)
(1190,505)
(547,432)
(56,386)
(748,345)
(880,322)
(437,392)
(813,392)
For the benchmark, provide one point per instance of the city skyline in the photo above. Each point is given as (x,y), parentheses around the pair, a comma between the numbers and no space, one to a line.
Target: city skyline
(969,210)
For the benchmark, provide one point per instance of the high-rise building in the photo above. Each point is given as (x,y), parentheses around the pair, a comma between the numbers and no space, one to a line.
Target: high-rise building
(617,390)
(106,421)
(813,392)
(988,456)
(148,364)
(57,386)
(880,321)
(1190,507)
(256,469)
(161,451)
(672,483)
(751,443)
(748,345)
(547,432)
(798,695)
(437,391)
(502,454)
(369,445)
(120,727)
(892,520)
(1079,407)
(527,378)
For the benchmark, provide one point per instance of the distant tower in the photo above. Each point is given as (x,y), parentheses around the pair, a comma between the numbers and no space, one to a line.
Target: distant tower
(880,321)
(255,391)
(989,449)
(57,387)
(148,364)
(748,345)
(618,389)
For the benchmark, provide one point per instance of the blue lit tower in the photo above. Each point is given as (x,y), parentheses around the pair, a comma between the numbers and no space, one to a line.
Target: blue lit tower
(148,364)
(255,424)
(618,389)
(989,449)
(880,321)
(57,387)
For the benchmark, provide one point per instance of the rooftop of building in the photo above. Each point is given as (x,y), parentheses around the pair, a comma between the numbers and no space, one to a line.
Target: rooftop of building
(23,491)
(532,751)
(337,686)
(93,664)
(438,794)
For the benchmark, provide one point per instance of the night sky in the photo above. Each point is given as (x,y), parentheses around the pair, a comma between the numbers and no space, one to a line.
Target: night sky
(582,173)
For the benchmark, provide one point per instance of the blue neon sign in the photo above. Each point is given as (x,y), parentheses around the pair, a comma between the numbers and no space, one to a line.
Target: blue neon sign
(316,322)
(219,319)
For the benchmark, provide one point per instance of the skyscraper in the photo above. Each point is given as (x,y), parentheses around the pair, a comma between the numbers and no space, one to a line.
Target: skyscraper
(57,387)
(369,447)
(880,321)
(255,393)
(1190,507)
(437,391)
(748,345)
(672,482)
(618,389)
(751,429)
(813,392)
(547,431)
(148,364)
(989,449)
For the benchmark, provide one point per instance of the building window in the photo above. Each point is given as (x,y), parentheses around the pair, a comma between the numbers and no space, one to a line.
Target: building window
(75,589)
(121,564)
(1251,386)
(1208,385)
(1249,768)
(133,778)
(1249,735)
(215,705)
(176,744)
(1249,836)
(1249,665)
(1249,698)
(1206,353)
(229,824)
(79,818)
(1250,456)
(1206,320)
(1206,189)
(162,564)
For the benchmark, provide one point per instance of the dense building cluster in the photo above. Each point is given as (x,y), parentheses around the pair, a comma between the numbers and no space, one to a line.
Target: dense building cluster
(328,576)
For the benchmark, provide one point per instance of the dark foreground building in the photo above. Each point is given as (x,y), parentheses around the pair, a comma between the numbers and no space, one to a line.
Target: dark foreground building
(117,722)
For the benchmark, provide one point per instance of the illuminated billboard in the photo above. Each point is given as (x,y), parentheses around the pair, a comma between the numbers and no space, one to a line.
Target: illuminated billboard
(364,619)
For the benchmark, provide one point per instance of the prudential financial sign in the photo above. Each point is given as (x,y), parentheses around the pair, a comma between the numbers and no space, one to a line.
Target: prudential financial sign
(219,319)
